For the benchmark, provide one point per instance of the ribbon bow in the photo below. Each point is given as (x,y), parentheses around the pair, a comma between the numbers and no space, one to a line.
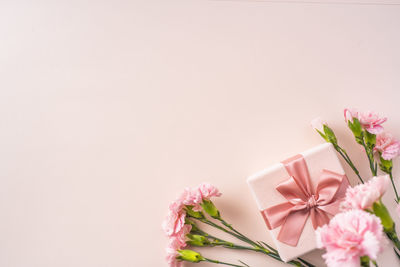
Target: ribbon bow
(303,201)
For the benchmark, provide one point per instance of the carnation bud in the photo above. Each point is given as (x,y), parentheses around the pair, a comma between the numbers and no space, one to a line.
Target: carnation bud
(189,255)
(323,129)
(330,135)
(194,214)
(210,208)
(386,165)
(370,139)
(198,240)
(381,211)
(318,124)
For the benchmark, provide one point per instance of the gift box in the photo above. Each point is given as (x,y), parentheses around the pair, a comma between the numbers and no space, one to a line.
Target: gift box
(298,195)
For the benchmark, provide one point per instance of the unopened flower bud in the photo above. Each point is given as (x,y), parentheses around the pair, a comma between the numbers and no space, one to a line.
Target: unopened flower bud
(194,214)
(189,255)
(197,240)
(381,211)
(210,208)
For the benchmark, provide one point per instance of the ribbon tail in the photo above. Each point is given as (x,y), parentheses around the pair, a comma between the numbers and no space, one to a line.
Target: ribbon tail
(292,228)
(319,217)
(275,216)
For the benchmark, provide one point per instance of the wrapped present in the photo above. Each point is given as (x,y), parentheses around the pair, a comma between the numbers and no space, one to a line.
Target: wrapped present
(297,196)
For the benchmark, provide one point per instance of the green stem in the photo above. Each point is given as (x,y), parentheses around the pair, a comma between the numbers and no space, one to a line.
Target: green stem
(370,157)
(224,263)
(237,232)
(256,247)
(392,235)
(394,187)
(346,157)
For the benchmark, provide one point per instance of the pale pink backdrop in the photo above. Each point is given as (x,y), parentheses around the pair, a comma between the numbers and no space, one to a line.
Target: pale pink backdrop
(108,109)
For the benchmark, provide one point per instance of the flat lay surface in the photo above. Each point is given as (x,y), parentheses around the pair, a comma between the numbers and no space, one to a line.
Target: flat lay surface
(109,109)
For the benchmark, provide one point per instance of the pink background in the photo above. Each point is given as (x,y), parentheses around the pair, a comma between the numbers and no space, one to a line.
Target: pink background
(108,109)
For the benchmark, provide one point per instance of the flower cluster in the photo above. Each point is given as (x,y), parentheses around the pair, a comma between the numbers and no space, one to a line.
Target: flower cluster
(174,224)
(355,233)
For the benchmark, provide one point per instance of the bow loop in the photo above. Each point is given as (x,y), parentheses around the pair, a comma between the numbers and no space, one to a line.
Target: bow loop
(303,201)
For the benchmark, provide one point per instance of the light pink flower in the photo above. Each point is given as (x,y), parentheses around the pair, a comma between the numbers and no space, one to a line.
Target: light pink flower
(208,191)
(369,120)
(175,219)
(172,247)
(387,145)
(349,236)
(191,197)
(194,197)
(363,196)
(181,235)
(318,124)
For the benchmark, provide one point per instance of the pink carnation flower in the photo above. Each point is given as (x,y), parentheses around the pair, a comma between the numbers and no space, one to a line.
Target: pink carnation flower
(175,219)
(369,120)
(208,191)
(387,145)
(194,197)
(172,253)
(349,236)
(363,196)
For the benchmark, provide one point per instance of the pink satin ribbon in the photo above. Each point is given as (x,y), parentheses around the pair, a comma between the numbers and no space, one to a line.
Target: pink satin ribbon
(303,201)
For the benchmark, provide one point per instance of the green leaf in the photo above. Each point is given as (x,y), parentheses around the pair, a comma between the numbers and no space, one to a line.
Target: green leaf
(381,211)
(210,208)
(190,255)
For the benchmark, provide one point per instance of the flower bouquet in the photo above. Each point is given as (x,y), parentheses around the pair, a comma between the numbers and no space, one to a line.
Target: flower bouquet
(351,223)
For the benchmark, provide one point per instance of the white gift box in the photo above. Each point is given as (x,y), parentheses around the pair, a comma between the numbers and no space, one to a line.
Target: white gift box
(263,187)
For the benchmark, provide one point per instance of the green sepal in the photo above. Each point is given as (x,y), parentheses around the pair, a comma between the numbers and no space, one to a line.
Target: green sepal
(357,130)
(190,255)
(330,135)
(364,261)
(385,165)
(210,208)
(194,214)
(198,240)
(370,139)
(322,135)
(381,211)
